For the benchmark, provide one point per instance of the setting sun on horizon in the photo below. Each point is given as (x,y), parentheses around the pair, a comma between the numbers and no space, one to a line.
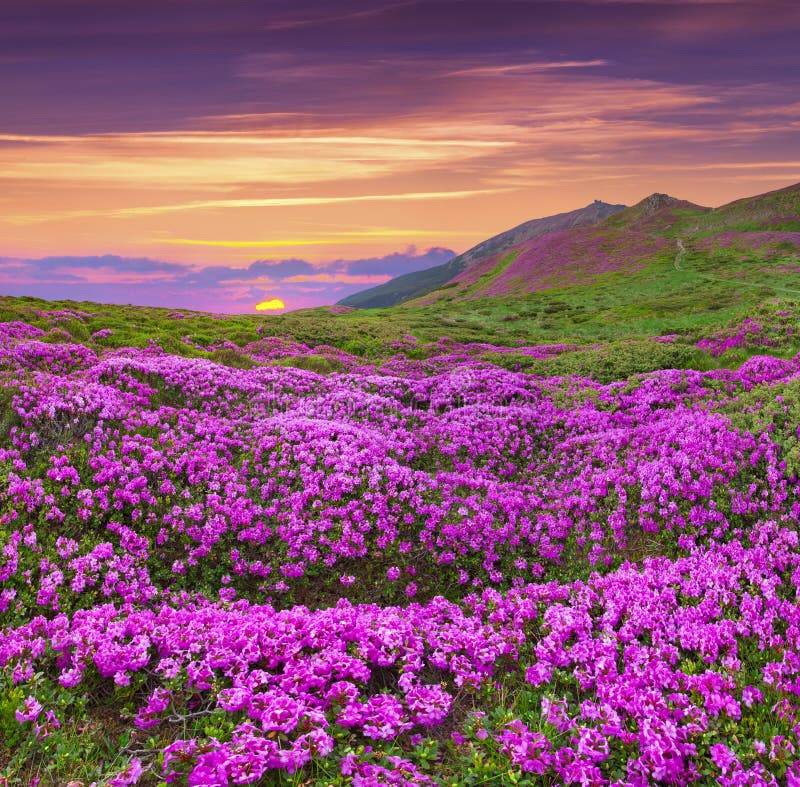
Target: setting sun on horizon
(270,305)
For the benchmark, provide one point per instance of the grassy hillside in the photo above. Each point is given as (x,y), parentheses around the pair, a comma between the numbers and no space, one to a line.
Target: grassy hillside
(662,266)
(777,210)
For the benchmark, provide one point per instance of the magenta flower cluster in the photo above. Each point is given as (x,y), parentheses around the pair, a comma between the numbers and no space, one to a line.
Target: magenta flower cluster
(775,326)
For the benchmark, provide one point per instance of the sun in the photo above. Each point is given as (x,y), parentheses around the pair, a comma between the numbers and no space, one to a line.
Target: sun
(270,305)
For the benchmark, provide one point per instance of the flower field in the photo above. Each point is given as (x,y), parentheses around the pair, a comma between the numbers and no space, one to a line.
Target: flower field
(422,569)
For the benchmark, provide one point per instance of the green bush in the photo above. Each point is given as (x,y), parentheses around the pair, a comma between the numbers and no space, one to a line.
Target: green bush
(227,356)
(312,363)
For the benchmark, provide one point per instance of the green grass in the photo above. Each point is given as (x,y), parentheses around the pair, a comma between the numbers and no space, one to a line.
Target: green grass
(499,269)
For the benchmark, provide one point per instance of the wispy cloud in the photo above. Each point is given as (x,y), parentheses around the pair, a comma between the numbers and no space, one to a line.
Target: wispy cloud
(269,202)
(221,138)
(294,22)
(227,161)
(526,68)
(331,239)
(338,278)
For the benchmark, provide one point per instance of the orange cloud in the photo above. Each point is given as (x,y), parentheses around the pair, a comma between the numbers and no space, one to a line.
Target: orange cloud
(332,239)
(336,278)
(162,160)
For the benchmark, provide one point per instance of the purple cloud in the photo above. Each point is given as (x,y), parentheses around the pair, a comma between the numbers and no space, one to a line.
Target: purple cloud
(145,281)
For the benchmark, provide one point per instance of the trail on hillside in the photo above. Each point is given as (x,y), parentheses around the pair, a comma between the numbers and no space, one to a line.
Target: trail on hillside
(681,253)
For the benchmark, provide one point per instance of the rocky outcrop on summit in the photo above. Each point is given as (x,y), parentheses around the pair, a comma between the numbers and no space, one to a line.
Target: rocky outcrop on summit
(656,202)
(654,213)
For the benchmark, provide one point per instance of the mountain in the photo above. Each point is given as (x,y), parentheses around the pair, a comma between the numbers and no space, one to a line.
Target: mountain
(413,285)
(623,241)
(576,248)
(633,240)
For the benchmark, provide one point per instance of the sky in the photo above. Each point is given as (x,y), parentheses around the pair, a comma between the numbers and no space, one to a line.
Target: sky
(225,154)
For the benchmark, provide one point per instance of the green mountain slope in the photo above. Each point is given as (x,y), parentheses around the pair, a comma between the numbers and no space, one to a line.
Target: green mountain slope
(738,243)
(776,211)
(624,241)
(413,285)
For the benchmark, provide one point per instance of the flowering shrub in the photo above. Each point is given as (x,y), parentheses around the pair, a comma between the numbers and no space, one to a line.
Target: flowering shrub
(418,570)
(63,315)
(54,358)
(775,326)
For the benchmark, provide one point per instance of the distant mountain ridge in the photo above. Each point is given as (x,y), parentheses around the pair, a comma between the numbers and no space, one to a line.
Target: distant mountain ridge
(414,285)
(627,242)
(588,245)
